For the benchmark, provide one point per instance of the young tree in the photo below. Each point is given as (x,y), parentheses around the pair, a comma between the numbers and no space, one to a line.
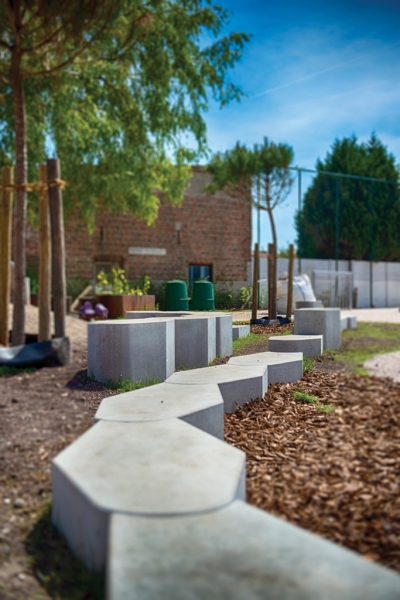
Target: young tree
(316,223)
(114,84)
(261,177)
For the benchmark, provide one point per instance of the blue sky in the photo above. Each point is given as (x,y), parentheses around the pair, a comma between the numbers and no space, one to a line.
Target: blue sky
(312,72)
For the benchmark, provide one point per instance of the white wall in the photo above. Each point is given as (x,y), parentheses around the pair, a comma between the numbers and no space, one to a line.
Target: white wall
(385,277)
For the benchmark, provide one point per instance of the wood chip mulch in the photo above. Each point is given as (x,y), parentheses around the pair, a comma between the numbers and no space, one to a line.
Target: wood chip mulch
(336,474)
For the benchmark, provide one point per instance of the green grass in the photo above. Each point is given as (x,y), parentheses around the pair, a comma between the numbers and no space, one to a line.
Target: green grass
(242,342)
(53,564)
(308,364)
(5,370)
(310,399)
(127,385)
(369,339)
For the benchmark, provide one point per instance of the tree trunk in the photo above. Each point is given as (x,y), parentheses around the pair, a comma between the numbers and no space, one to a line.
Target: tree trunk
(19,234)
(272,285)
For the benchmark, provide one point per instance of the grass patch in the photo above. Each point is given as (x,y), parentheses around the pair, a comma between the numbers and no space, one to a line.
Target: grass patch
(241,343)
(308,364)
(127,385)
(5,370)
(369,339)
(53,564)
(310,399)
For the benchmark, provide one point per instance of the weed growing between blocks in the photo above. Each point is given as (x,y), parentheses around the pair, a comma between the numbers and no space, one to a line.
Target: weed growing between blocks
(127,385)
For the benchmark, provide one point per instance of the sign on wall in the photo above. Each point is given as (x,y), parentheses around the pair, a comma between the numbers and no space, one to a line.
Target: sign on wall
(147,251)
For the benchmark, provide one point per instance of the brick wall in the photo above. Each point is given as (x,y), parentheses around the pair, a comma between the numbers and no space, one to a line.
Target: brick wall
(215,230)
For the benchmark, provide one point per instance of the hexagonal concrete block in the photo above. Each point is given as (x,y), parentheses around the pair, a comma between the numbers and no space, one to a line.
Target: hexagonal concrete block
(195,341)
(137,349)
(237,385)
(319,321)
(236,553)
(163,468)
(224,334)
(239,331)
(282,367)
(199,405)
(309,345)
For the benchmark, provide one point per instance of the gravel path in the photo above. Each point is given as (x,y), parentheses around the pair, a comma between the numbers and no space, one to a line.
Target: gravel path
(384,365)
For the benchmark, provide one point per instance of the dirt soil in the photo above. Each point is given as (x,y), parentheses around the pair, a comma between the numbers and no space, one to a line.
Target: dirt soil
(336,474)
(308,472)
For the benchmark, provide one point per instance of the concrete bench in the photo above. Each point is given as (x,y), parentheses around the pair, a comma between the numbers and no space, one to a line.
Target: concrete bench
(308,304)
(319,321)
(160,468)
(236,553)
(199,405)
(348,323)
(282,368)
(136,350)
(239,331)
(309,345)
(237,385)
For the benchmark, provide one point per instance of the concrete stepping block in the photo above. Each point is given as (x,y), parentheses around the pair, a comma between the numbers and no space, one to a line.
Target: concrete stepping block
(237,385)
(161,468)
(309,304)
(348,323)
(309,345)
(282,367)
(195,341)
(224,334)
(319,321)
(136,350)
(199,405)
(237,553)
(239,331)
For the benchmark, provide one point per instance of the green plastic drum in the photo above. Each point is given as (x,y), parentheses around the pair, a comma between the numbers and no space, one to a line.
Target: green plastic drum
(176,296)
(203,296)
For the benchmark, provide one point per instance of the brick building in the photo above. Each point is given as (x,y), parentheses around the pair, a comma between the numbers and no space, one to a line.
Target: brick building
(207,236)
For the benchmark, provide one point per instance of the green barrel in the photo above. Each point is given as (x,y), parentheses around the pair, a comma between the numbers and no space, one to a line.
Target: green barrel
(203,296)
(176,296)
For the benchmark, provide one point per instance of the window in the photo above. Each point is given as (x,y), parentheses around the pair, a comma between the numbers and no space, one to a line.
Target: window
(199,272)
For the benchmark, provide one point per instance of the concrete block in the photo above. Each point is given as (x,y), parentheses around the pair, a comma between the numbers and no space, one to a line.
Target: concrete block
(236,553)
(195,341)
(239,331)
(237,385)
(308,304)
(224,334)
(309,345)
(319,321)
(351,322)
(282,367)
(165,468)
(199,405)
(138,350)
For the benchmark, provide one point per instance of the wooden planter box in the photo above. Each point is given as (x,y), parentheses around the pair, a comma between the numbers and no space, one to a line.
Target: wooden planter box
(118,305)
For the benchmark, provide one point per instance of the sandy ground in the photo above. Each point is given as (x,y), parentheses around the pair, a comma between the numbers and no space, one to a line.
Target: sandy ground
(76,328)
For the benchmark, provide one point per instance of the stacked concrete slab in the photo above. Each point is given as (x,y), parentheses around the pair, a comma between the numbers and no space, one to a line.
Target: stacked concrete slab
(152,345)
(319,321)
(151,494)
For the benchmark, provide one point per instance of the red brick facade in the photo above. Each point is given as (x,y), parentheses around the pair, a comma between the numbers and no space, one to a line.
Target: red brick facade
(208,230)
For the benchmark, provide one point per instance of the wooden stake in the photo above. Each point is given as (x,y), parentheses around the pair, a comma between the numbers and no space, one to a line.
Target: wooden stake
(58,247)
(7,178)
(273,282)
(270,279)
(44,291)
(290,283)
(254,302)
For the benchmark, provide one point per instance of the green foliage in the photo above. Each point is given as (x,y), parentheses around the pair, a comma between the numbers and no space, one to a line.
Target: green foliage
(308,363)
(6,370)
(127,385)
(310,399)
(246,294)
(117,283)
(76,285)
(316,223)
(223,299)
(116,92)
